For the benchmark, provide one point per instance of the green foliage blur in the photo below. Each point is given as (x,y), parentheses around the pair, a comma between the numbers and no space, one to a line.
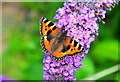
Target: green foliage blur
(22,54)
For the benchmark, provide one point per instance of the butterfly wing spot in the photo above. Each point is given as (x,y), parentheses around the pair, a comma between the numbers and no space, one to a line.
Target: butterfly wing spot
(44,19)
(82,49)
(64,49)
(68,47)
(71,41)
(47,23)
(75,43)
(49,38)
(58,59)
(54,28)
(50,24)
(48,32)
(79,46)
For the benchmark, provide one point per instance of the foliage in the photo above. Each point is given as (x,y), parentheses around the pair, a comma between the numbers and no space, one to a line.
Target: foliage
(22,56)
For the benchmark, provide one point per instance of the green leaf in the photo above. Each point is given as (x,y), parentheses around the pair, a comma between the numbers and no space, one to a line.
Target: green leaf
(34,71)
(106,50)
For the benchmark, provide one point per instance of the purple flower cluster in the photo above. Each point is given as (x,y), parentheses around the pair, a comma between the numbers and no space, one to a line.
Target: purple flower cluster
(61,70)
(80,20)
(2,77)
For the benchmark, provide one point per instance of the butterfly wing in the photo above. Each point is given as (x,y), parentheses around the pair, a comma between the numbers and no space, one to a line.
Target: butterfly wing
(59,53)
(73,47)
(51,43)
(68,47)
(50,32)
(48,28)
(47,42)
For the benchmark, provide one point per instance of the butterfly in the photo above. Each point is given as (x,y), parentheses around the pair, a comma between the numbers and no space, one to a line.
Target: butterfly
(56,43)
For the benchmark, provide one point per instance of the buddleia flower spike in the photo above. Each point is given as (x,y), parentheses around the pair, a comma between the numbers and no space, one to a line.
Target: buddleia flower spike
(80,20)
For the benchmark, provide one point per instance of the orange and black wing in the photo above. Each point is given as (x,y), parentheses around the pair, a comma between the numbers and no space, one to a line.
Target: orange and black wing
(48,28)
(73,47)
(47,42)
(50,32)
(68,47)
(60,52)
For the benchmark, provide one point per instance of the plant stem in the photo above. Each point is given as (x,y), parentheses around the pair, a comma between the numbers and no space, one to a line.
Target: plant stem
(104,73)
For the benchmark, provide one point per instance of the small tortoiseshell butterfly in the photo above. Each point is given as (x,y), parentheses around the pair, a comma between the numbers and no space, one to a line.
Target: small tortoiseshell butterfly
(56,43)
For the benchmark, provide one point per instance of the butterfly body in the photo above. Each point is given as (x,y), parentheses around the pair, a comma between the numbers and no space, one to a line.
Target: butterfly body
(56,43)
